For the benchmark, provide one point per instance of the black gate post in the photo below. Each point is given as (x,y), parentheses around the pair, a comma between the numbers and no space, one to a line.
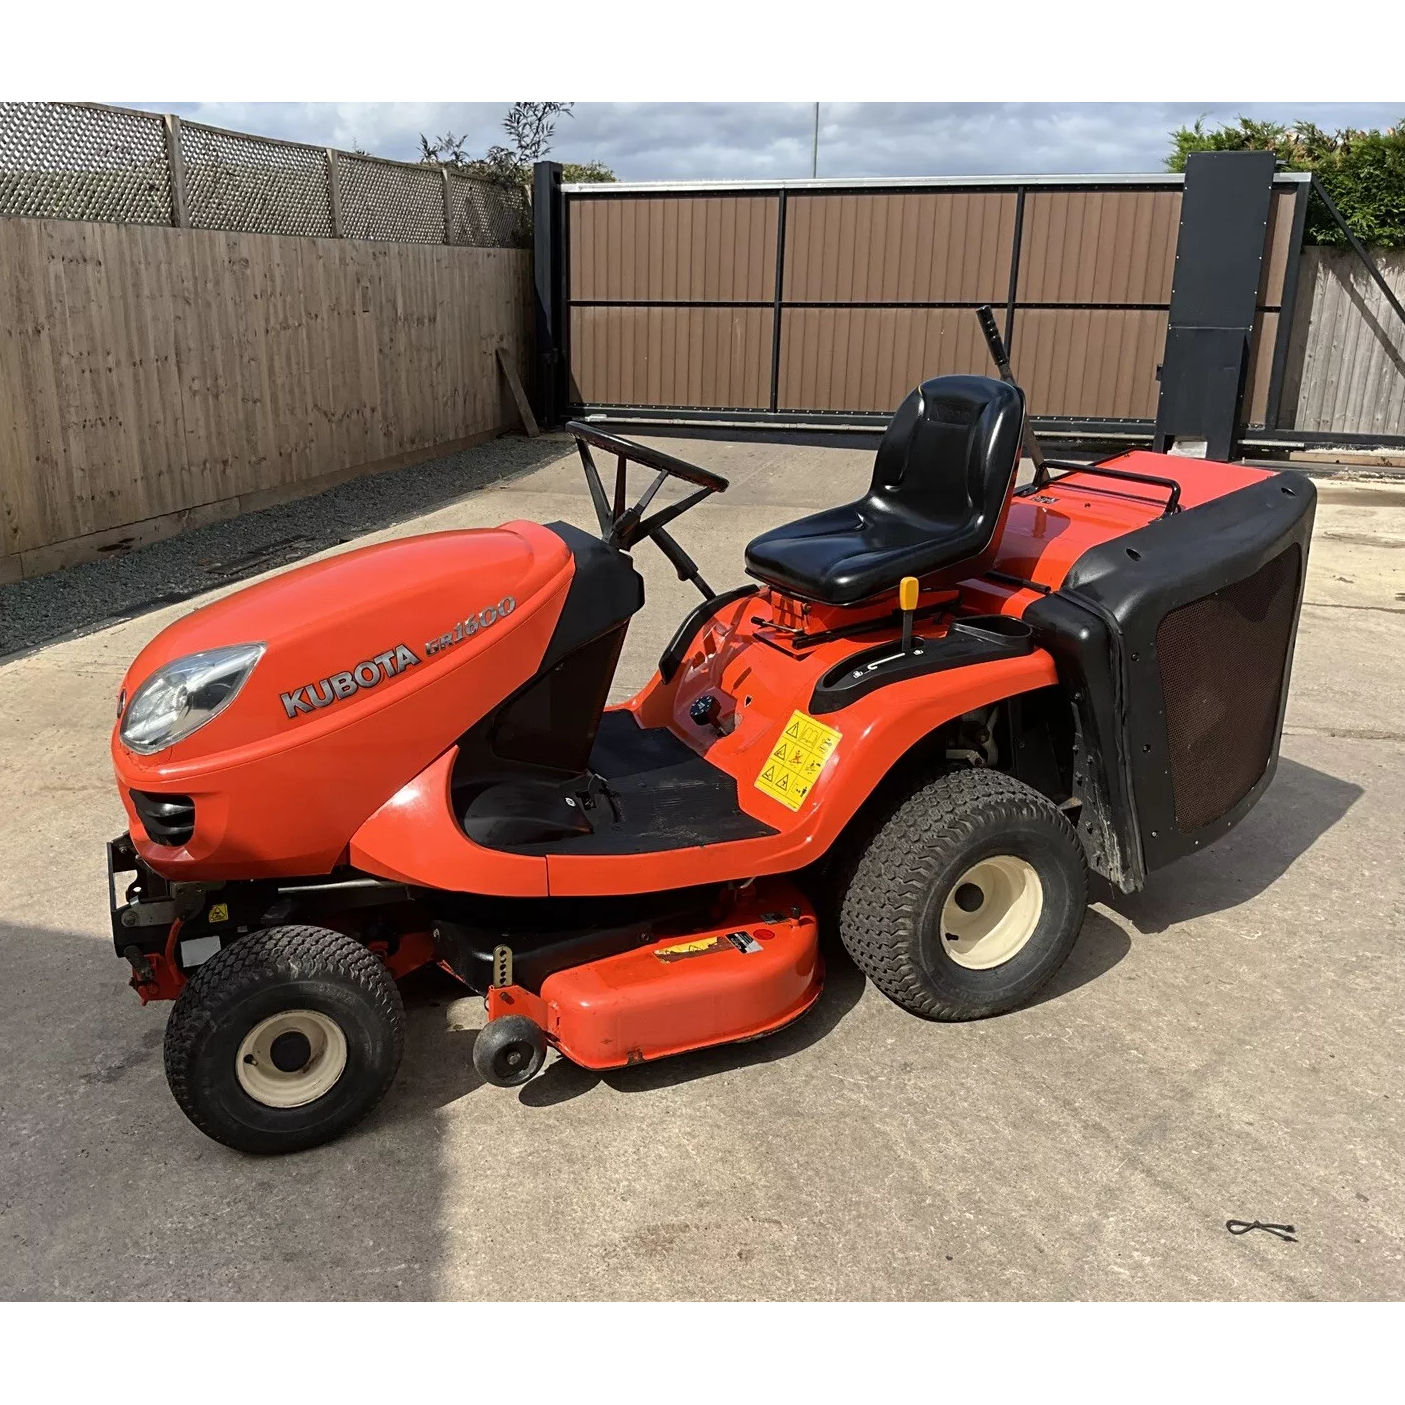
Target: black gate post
(1015,244)
(777,300)
(1214,292)
(549,272)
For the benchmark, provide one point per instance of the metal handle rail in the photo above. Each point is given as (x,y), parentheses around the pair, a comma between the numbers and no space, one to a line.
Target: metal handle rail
(1042,480)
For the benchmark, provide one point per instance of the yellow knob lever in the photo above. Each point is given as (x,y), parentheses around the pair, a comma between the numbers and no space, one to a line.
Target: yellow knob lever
(907,603)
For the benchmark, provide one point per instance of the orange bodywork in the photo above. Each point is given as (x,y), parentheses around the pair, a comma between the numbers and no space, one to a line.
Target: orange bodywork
(416,838)
(745,976)
(282,788)
(282,796)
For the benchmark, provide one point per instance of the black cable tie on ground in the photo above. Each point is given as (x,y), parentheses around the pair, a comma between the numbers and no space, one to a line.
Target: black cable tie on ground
(1282,1231)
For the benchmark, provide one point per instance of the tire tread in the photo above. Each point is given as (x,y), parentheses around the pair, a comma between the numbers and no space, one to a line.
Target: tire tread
(885,883)
(297,952)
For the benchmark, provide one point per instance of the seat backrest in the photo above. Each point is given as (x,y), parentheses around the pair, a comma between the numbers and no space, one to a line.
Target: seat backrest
(950,452)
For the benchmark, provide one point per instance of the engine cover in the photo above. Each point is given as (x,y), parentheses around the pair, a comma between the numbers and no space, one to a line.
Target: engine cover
(375,661)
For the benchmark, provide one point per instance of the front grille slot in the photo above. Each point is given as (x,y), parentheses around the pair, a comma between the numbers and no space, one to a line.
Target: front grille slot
(168,819)
(1223,659)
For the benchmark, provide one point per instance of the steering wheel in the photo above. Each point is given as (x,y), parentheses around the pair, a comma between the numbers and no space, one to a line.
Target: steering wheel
(621,526)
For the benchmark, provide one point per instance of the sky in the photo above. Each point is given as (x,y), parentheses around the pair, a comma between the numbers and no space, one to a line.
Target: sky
(740,141)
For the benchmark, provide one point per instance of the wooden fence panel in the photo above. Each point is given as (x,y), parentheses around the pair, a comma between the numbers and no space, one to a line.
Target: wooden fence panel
(152,377)
(1346,357)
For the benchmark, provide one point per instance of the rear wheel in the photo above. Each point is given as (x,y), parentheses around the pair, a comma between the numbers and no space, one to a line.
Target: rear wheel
(284,1039)
(966,898)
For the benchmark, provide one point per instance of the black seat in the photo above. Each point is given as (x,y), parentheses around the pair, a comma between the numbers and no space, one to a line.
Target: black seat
(941,486)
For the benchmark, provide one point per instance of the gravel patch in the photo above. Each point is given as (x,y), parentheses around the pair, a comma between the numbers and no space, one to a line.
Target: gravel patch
(91,596)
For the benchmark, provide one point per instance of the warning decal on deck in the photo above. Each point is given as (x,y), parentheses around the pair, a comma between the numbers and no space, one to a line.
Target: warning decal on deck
(796,759)
(681,951)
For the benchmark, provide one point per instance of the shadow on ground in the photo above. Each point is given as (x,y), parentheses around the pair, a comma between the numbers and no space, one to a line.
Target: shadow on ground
(1101,945)
(1297,809)
(437,1067)
(95,594)
(109,1193)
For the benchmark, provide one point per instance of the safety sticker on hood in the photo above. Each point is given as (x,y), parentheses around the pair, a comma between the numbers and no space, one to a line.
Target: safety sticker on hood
(797,759)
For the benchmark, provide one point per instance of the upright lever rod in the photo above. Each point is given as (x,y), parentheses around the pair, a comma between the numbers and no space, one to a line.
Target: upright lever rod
(998,354)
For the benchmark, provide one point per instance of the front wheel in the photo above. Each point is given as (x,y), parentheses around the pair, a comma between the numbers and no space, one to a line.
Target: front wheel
(284,1039)
(967,898)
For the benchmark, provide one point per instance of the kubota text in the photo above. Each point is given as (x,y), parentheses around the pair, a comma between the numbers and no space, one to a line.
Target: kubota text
(342,685)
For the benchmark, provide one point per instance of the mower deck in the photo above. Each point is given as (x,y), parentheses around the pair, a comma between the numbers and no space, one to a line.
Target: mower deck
(739,974)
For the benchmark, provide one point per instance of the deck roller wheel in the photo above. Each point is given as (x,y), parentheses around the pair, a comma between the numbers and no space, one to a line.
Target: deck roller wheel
(509,1050)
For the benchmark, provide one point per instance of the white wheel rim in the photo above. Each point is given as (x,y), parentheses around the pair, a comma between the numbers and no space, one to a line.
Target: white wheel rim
(998,928)
(262,1079)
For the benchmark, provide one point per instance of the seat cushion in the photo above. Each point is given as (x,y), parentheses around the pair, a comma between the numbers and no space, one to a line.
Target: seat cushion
(941,486)
(841,555)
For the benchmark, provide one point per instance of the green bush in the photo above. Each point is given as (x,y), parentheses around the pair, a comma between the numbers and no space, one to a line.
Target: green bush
(573,172)
(1363,172)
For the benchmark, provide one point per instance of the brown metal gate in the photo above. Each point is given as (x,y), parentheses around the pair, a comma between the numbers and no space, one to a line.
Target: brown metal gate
(826,302)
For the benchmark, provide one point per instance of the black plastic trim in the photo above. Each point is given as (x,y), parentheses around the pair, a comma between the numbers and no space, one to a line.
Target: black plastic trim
(1101,628)
(644,791)
(974,639)
(605,592)
(167,819)
(672,657)
(542,734)
(1086,648)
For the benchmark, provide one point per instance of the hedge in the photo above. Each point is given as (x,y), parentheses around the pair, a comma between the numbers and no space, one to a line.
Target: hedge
(1363,172)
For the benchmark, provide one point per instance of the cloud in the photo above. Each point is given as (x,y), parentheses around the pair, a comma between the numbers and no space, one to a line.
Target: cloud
(759,141)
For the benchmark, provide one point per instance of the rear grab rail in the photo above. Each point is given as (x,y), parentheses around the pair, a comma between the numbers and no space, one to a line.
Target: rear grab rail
(1042,479)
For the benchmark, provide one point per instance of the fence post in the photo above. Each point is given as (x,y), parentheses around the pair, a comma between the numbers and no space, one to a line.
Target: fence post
(549,286)
(175,167)
(448,207)
(334,194)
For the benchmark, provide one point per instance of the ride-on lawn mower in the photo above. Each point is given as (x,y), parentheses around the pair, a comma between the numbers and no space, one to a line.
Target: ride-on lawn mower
(939,706)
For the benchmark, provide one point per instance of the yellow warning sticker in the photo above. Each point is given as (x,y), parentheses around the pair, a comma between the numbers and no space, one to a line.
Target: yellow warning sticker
(683,950)
(797,759)
(219,912)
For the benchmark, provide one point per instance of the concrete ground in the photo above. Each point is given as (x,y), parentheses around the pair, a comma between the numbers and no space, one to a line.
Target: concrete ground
(1226,1045)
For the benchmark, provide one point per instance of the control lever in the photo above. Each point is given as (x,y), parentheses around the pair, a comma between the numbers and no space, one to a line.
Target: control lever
(998,354)
(907,603)
(681,562)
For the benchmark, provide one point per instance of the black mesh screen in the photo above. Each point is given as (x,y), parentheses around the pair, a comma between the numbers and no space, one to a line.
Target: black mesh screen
(1222,661)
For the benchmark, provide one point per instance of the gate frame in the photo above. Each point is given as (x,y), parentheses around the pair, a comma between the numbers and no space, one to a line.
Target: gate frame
(552,281)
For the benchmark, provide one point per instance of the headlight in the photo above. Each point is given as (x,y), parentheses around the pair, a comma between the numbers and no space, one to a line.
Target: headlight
(186,694)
